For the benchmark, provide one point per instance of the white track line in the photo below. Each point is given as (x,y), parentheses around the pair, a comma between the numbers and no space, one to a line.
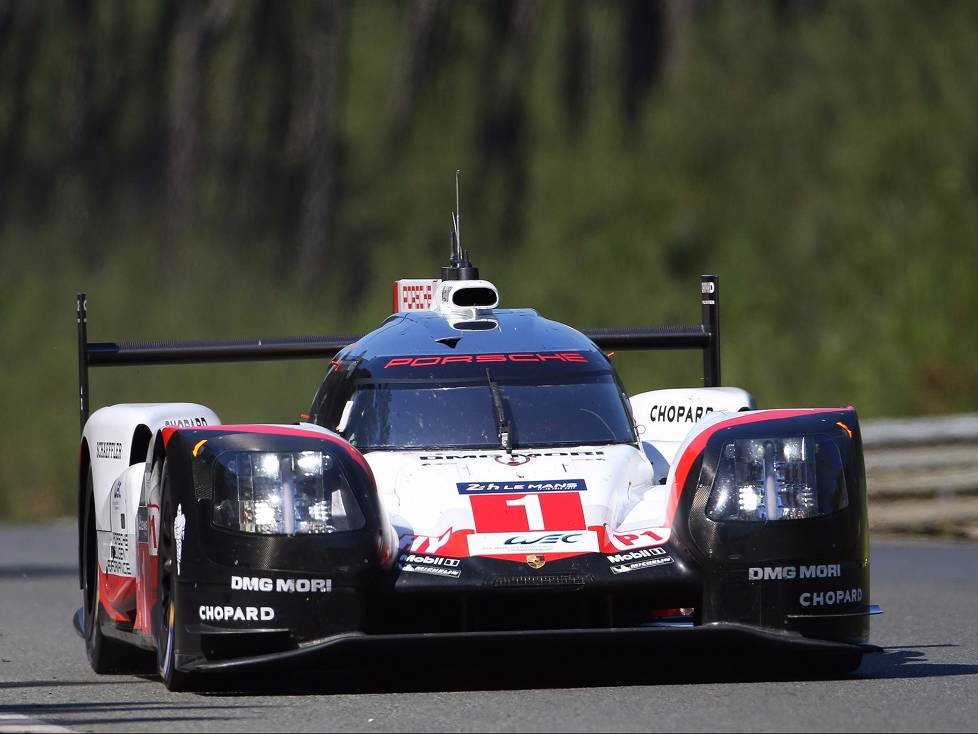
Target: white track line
(20,723)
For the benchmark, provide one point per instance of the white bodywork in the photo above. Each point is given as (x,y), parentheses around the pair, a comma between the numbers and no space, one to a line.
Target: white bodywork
(118,486)
(454,502)
(439,500)
(664,418)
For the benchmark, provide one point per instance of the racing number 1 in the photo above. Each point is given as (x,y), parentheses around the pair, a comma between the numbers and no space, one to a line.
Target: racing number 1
(504,513)
(531,505)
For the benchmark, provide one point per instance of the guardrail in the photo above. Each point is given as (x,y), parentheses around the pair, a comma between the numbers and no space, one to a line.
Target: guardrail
(922,475)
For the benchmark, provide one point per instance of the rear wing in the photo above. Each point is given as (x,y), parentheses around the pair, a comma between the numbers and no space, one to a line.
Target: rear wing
(704,336)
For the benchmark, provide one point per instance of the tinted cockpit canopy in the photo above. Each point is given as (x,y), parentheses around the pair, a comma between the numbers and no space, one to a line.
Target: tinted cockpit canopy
(548,399)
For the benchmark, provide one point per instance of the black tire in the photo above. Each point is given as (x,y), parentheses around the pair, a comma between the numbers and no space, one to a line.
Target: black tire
(105,655)
(166,616)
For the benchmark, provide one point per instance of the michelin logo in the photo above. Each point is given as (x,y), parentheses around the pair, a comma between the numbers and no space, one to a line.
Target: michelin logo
(638,560)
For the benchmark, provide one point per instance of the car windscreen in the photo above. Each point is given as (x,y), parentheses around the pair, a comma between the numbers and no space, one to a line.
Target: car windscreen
(575,411)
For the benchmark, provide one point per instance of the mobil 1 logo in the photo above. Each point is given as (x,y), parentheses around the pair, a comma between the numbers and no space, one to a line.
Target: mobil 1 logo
(431,565)
(638,560)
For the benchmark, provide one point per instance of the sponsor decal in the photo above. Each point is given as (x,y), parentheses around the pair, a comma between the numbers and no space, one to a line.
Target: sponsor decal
(533,543)
(636,555)
(636,560)
(426,543)
(282,586)
(789,573)
(678,413)
(513,459)
(431,565)
(707,287)
(830,598)
(184,422)
(640,565)
(641,538)
(179,530)
(438,361)
(522,486)
(108,450)
(536,561)
(119,561)
(235,614)
(118,506)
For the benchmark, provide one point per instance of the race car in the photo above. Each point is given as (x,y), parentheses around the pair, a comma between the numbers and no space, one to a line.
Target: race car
(466,474)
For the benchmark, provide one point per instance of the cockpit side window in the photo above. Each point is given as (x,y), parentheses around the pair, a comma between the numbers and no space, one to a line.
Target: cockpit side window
(332,396)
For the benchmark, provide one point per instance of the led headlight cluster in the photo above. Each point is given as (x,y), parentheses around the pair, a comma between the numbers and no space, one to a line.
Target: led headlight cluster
(275,493)
(784,478)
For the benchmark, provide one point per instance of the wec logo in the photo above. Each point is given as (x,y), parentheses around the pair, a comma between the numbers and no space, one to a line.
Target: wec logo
(548,539)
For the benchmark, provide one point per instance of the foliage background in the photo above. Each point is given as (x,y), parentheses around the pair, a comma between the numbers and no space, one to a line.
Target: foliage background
(219,169)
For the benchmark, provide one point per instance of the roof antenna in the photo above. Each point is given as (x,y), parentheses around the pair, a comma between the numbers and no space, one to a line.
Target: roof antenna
(459,266)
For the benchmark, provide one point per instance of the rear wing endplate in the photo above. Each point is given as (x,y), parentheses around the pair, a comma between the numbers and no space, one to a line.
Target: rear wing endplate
(704,336)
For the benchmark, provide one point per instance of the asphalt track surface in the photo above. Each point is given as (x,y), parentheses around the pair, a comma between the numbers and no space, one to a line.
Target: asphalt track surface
(925,679)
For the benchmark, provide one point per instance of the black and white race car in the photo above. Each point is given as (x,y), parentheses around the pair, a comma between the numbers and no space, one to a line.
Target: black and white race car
(466,474)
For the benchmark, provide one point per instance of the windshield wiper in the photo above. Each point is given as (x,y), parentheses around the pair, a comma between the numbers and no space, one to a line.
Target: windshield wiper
(502,425)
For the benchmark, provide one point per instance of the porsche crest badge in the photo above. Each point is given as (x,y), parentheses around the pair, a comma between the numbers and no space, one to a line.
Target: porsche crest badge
(536,561)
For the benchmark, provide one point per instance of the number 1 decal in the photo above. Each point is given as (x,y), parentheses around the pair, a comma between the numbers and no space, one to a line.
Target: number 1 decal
(504,513)
(534,513)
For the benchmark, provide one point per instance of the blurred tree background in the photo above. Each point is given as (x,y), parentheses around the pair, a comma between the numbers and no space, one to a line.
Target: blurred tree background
(217,169)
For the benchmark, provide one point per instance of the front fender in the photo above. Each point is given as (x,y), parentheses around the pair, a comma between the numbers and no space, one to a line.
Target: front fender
(267,586)
(809,575)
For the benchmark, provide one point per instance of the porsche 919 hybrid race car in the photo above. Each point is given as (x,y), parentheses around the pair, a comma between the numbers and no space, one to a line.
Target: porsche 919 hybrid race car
(466,473)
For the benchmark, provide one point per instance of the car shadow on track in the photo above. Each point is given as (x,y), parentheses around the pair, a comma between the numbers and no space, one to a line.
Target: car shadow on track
(910,661)
(561,669)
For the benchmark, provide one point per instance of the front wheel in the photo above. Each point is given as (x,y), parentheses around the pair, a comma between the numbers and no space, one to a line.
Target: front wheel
(166,616)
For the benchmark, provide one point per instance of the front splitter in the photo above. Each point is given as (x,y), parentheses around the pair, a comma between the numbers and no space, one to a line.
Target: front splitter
(356,648)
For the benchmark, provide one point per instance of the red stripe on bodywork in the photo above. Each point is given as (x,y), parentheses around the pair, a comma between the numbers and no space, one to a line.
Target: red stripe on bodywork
(116,594)
(283,431)
(695,448)
(146,594)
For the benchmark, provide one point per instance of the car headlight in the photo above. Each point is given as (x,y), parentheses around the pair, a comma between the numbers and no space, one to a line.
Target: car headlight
(786,478)
(276,493)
